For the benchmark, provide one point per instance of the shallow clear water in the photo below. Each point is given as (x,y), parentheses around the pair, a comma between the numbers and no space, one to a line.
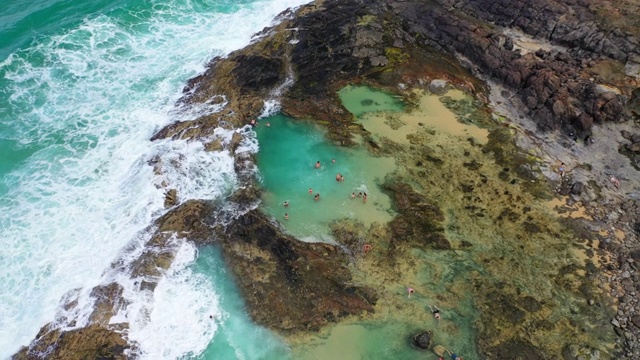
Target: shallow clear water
(289,150)
(363,99)
(237,337)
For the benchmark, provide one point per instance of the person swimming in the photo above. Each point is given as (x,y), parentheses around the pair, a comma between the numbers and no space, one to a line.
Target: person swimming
(318,164)
(286,216)
(285,204)
(353,195)
(435,311)
(454,356)
(316,197)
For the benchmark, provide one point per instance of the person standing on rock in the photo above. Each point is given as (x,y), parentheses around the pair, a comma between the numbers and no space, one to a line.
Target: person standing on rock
(615,182)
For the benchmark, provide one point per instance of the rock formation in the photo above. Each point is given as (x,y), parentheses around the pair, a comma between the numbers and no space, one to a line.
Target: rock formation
(587,77)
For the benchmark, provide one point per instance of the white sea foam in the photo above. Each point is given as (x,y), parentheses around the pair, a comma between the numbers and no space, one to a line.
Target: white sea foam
(183,315)
(89,99)
(270,108)
(194,172)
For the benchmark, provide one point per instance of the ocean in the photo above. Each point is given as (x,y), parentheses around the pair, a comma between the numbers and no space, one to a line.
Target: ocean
(83,86)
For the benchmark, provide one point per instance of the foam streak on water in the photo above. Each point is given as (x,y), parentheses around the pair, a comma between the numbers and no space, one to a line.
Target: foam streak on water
(179,317)
(84,102)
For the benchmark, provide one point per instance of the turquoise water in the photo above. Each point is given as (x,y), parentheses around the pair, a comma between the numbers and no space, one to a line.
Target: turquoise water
(83,86)
(289,150)
(237,337)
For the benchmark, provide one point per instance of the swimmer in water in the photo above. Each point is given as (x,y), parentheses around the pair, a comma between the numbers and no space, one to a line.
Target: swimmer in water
(435,311)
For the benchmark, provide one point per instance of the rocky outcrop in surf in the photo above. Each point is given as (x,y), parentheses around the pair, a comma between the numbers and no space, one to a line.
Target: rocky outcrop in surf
(564,86)
(581,72)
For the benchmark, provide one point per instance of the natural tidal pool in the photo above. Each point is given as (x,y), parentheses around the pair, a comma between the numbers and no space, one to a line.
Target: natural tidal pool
(289,151)
(508,277)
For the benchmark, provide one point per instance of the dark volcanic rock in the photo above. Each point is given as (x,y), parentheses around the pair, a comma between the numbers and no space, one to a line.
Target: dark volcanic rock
(385,43)
(530,304)
(418,222)
(290,285)
(254,73)
(577,188)
(515,349)
(506,308)
(422,340)
(550,86)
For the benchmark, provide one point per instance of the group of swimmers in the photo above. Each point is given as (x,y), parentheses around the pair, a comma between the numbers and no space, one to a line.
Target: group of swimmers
(316,197)
(361,194)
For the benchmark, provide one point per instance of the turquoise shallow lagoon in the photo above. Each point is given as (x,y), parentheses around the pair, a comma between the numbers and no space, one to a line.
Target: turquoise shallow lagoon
(289,150)
(488,264)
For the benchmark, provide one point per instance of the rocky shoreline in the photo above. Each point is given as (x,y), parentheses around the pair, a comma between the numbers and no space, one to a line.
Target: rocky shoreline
(563,106)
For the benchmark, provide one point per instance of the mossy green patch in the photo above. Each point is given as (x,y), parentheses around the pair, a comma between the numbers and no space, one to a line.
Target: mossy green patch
(395,56)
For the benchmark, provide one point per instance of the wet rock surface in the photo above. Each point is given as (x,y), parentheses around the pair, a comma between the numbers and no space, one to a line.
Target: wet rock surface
(290,285)
(583,80)
(92,342)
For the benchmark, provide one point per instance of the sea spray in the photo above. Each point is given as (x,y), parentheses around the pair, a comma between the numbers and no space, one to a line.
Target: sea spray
(85,101)
(183,315)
